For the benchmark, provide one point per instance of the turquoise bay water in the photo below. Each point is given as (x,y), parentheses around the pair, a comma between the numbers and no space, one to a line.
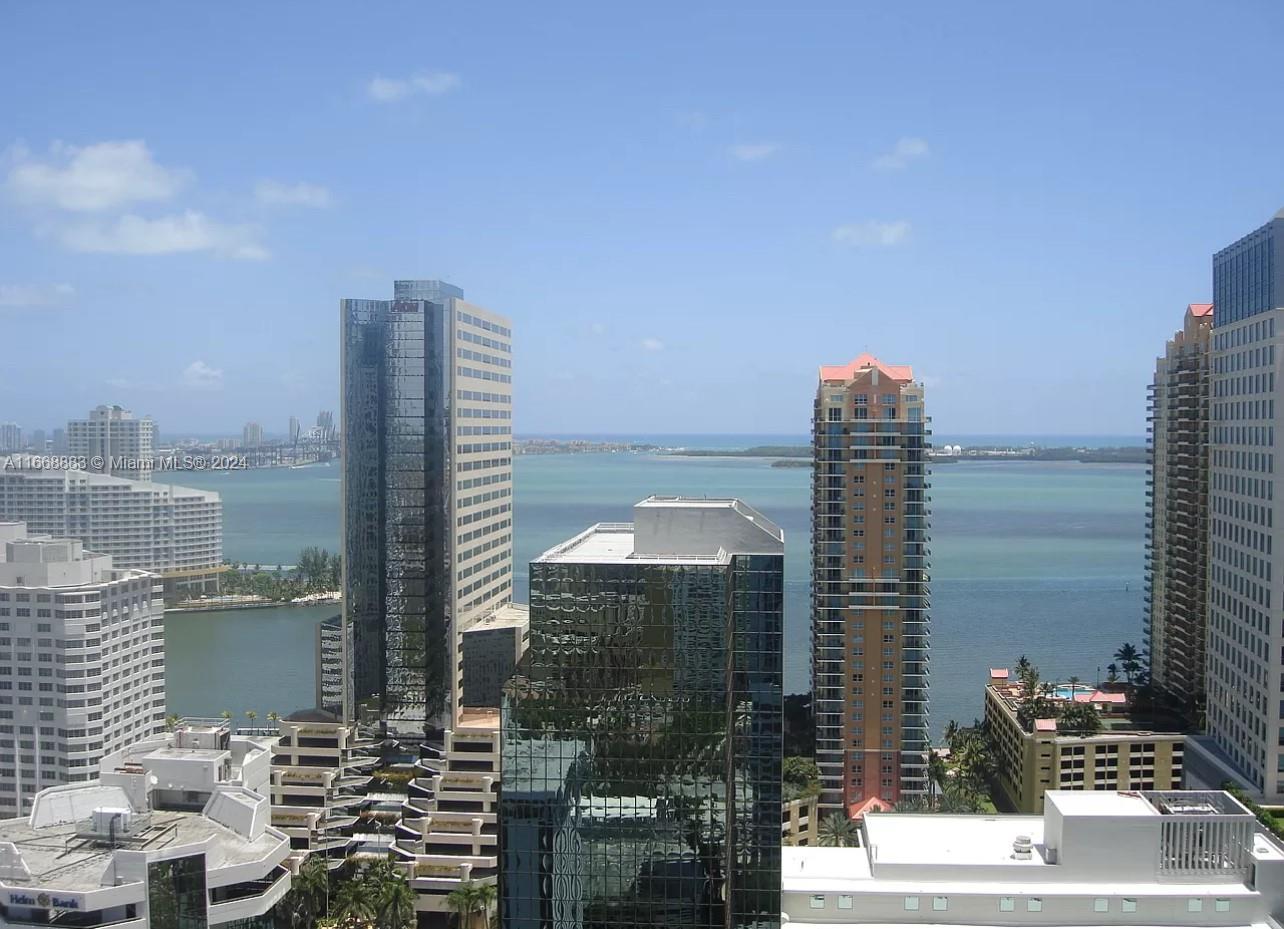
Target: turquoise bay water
(1037,558)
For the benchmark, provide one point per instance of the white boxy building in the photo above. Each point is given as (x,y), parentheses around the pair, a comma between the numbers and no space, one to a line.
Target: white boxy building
(1094,858)
(171,834)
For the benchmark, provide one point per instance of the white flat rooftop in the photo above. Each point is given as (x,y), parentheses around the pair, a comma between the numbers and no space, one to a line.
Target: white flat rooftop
(1100,803)
(908,838)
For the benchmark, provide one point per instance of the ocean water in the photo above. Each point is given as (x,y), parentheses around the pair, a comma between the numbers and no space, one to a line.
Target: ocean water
(1043,559)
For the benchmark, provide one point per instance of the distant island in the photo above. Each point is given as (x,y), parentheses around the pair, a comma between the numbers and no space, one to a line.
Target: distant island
(756,451)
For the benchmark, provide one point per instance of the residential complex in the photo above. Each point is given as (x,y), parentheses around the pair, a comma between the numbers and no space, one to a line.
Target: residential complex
(642,731)
(800,821)
(427,527)
(172,834)
(112,441)
(1103,858)
(252,435)
(1177,514)
(1245,660)
(1038,756)
(176,532)
(870,627)
(83,652)
(11,437)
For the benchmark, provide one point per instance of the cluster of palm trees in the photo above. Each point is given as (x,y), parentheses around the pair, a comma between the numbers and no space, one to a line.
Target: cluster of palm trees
(472,904)
(1131,662)
(376,896)
(317,570)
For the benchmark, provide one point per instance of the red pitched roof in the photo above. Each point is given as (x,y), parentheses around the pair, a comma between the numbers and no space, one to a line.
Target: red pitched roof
(872,805)
(848,371)
(1201,309)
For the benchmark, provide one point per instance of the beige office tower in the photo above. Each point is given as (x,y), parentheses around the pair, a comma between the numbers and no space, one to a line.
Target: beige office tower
(1177,546)
(870,605)
(124,445)
(428,527)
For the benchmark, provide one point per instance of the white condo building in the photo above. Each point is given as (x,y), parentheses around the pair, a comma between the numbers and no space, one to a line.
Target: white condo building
(82,662)
(1094,858)
(124,444)
(181,821)
(1245,644)
(176,532)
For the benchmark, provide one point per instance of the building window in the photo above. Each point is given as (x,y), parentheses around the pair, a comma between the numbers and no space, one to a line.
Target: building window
(1101,905)
(940,903)
(844,901)
(1034,905)
(1006,904)
(1221,905)
(1130,904)
(911,903)
(817,901)
(1195,905)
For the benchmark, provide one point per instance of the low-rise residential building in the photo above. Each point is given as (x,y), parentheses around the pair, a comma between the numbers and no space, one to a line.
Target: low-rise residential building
(1032,760)
(1104,858)
(82,662)
(176,532)
(800,821)
(170,823)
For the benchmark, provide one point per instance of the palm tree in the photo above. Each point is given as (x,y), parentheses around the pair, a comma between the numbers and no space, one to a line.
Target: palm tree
(1074,683)
(951,730)
(837,831)
(1129,659)
(1112,672)
(171,722)
(936,774)
(309,891)
(226,716)
(394,901)
(273,717)
(470,898)
(251,715)
(353,901)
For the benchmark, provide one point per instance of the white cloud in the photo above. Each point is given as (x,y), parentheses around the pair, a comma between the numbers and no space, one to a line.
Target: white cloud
(36,295)
(754,151)
(274,193)
(200,376)
(190,231)
(430,84)
(873,232)
(652,345)
(94,177)
(903,152)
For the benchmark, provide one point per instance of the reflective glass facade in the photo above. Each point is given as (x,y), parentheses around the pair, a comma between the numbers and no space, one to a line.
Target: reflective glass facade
(176,893)
(641,748)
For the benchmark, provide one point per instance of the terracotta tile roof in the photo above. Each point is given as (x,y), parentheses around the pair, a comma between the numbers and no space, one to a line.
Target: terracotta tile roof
(848,371)
(1201,309)
(872,805)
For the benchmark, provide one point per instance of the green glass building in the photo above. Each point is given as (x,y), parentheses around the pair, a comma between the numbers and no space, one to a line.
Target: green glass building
(641,747)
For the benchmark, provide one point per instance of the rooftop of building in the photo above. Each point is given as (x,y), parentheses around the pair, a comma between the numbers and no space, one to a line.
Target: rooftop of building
(1201,309)
(97,478)
(508,616)
(478,718)
(865,362)
(35,560)
(675,530)
(57,848)
(1111,701)
(931,838)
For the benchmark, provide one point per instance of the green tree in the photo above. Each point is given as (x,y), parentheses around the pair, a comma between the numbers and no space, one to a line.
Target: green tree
(469,900)
(1129,660)
(800,778)
(251,715)
(171,722)
(309,892)
(1079,719)
(838,831)
(353,900)
(1032,701)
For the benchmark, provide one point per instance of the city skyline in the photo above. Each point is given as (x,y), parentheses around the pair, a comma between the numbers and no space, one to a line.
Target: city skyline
(716,203)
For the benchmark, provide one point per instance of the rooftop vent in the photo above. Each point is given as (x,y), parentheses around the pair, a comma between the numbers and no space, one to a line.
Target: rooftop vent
(1022,847)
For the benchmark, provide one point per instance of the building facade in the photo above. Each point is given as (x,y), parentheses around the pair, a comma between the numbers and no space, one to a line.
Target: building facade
(427,494)
(1245,660)
(169,836)
(1030,761)
(1176,619)
(125,446)
(1152,859)
(82,662)
(870,602)
(176,532)
(252,435)
(492,646)
(11,437)
(642,732)
(330,669)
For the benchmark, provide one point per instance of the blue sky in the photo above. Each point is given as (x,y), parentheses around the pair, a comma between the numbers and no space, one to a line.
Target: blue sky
(685,208)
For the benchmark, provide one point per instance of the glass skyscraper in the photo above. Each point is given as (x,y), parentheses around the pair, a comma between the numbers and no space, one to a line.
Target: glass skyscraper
(427,495)
(641,734)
